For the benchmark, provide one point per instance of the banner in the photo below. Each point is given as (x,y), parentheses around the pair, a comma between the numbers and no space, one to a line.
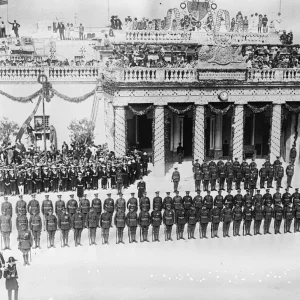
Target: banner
(3,2)
(28,120)
(200,7)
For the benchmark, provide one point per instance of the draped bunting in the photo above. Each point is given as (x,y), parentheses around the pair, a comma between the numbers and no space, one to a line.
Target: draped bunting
(22,99)
(257,110)
(292,110)
(74,99)
(220,111)
(141,112)
(180,112)
(55,92)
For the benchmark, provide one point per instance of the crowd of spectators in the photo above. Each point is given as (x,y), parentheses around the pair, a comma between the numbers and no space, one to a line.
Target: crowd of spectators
(31,61)
(61,168)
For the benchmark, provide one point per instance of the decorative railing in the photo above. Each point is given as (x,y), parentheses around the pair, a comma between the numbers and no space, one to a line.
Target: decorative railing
(273,75)
(31,74)
(73,73)
(181,36)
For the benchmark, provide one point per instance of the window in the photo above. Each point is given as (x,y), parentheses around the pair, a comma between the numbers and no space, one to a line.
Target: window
(212,133)
(39,122)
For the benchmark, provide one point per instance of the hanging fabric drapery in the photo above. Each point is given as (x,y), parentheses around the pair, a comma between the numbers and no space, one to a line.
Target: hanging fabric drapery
(22,99)
(220,111)
(141,112)
(180,112)
(258,110)
(291,109)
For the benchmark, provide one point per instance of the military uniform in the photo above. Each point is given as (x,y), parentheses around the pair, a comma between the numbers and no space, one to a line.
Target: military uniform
(222,175)
(85,208)
(267,198)
(157,202)
(288,215)
(92,222)
(268,215)
(59,206)
(97,205)
(258,216)
(72,206)
(293,154)
(247,216)
(145,202)
(119,180)
(132,223)
(277,198)
(64,224)
(278,215)
(6,207)
(215,219)
(204,217)
(168,220)
(46,206)
(229,177)
(213,177)
(109,205)
(238,178)
(132,202)
(192,220)
(248,198)
(21,206)
(263,176)
(258,198)
(295,198)
(236,166)
(25,244)
(144,222)
(197,202)
(156,220)
(226,218)
(180,220)
(5,228)
(175,179)
(120,221)
(208,200)
(177,201)
(33,205)
(252,182)
(247,175)
(105,222)
(286,198)
(120,204)
(77,224)
(35,225)
(237,216)
(230,200)
(271,175)
(187,202)
(297,217)
(279,173)
(198,177)
(206,178)
(51,227)
(289,173)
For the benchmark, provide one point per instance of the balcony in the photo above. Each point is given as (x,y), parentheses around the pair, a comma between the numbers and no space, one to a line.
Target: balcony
(55,74)
(186,75)
(192,37)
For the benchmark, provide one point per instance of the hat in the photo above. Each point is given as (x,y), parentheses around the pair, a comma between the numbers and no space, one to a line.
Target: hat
(296,189)
(257,191)
(59,195)
(132,193)
(197,159)
(198,191)
(121,194)
(96,194)
(108,194)
(6,197)
(156,192)
(20,196)
(11,259)
(46,195)
(176,192)
(71,195)
(175,168)
(187,192)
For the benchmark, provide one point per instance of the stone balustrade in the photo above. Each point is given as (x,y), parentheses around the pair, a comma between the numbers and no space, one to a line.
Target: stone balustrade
(31,74)
(197,37)
(273,75)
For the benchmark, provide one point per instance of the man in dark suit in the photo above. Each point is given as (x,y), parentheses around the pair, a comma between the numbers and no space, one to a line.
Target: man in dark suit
(11,275)
(15,28)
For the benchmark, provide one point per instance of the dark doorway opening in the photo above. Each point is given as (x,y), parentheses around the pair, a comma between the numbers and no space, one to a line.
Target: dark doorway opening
(144,132)
(188,136)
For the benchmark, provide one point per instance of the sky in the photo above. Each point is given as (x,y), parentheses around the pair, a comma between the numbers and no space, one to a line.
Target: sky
(95,12)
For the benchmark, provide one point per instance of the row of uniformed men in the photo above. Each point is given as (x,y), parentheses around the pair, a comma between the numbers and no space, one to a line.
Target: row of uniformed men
(235,172)
(176,212)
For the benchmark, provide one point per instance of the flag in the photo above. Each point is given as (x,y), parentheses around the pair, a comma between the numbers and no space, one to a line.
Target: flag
(3,2)
(200,7)
(28,120)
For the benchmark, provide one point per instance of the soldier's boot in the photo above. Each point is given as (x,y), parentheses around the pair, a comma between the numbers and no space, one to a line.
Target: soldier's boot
(189,234)
(134,238)
(24,258)
(67,241)
(193,234)
(122,234)
(39,243)
(181,235)
(79,240)
(107,238)
(27,261)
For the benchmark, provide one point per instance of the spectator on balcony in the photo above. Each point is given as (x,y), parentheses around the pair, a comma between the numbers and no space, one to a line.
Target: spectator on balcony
(150,26)
(81,31)
(135,24)
(61,29)
(2,30)
(118,23)
(129,23)
(68,32)
(260,23)
(232,25)
(72,32)
(174,25)
(290,38)
(246,25)
(15,27)
(265,24)
(112,22)
(209,23)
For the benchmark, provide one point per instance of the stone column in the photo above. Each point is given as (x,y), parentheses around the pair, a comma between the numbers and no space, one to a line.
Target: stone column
(275,132)
(159,141)
(238,132)
(218,137)
(199,133)
(120,131)
(109,121)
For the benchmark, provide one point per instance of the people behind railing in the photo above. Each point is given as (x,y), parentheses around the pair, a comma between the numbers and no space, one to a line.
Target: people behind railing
(31,61)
